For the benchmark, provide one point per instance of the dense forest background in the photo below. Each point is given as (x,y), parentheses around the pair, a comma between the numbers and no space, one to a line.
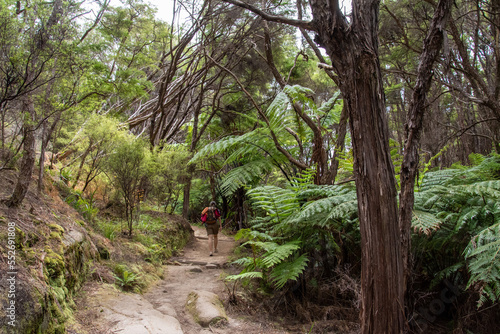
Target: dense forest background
(253,106)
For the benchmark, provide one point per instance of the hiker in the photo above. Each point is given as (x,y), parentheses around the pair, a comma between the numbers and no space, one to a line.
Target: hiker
(211,217)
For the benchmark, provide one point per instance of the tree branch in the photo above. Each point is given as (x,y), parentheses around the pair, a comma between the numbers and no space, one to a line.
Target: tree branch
(264,117)
(273,18)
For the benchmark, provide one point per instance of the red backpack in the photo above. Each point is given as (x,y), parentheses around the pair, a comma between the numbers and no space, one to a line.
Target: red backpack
(210,216)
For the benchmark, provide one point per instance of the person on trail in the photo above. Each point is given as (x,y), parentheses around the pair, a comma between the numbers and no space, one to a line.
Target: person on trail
(211,217)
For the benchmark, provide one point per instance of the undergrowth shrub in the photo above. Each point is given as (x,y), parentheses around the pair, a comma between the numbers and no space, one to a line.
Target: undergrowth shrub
(126,278)
(109,230)
(86,207)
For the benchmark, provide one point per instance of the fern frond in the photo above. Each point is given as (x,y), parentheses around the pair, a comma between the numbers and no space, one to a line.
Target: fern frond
(336,206)
(244,261)
(279,253)
(328,105)
(343,210)
(425,222)
(251,235)
(224,145)
(243,175)
(322,191)
(431,196)
(468,215)
(299,93)
(287,271)
(267,246)
(447,272)
(483,255)
(247,275)
(277,111)
(277,202)
(304,179)
(438,178)
(486,188)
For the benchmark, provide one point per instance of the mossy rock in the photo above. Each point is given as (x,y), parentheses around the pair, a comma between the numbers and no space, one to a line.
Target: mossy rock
(56,228)
(55,235)
(54,263)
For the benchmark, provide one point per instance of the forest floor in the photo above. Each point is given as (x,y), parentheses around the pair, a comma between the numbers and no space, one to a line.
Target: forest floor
(102,309)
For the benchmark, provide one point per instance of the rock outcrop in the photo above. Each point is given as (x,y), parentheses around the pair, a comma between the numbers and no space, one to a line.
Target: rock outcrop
(206,308)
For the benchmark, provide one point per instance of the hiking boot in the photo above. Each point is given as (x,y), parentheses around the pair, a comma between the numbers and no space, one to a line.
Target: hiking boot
(211,254)
(216,251)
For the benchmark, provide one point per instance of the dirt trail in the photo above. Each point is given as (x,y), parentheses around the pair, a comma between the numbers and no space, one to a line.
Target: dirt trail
(162,309)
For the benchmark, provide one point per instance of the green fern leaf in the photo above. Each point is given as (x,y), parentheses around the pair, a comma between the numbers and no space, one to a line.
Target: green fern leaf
(447,272)
(343,210)
(251,235)
(242,276)
(279,253)
(287,271)
(277,202)
(244,175)
(328,105)
(438,178)
(244,262)
(225,145)
(425,222)
(277,111)
(483,255)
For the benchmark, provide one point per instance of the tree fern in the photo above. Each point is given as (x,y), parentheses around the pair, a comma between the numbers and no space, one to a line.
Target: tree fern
(225,144)
(288,271)
(451,208)
(245,275)
(275,253)
(483,259)
(425,222)
(276,202)
(244,175)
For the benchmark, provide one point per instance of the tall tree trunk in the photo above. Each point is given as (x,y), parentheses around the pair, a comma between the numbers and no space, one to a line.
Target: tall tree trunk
(354,55)
(382,266)
(339,146)
(41,160)
(432,47)
(28,160)
(187,191)
(185,202)
(353,49)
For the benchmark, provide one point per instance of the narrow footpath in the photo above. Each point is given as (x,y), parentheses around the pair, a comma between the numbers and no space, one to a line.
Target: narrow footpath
(165,308)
